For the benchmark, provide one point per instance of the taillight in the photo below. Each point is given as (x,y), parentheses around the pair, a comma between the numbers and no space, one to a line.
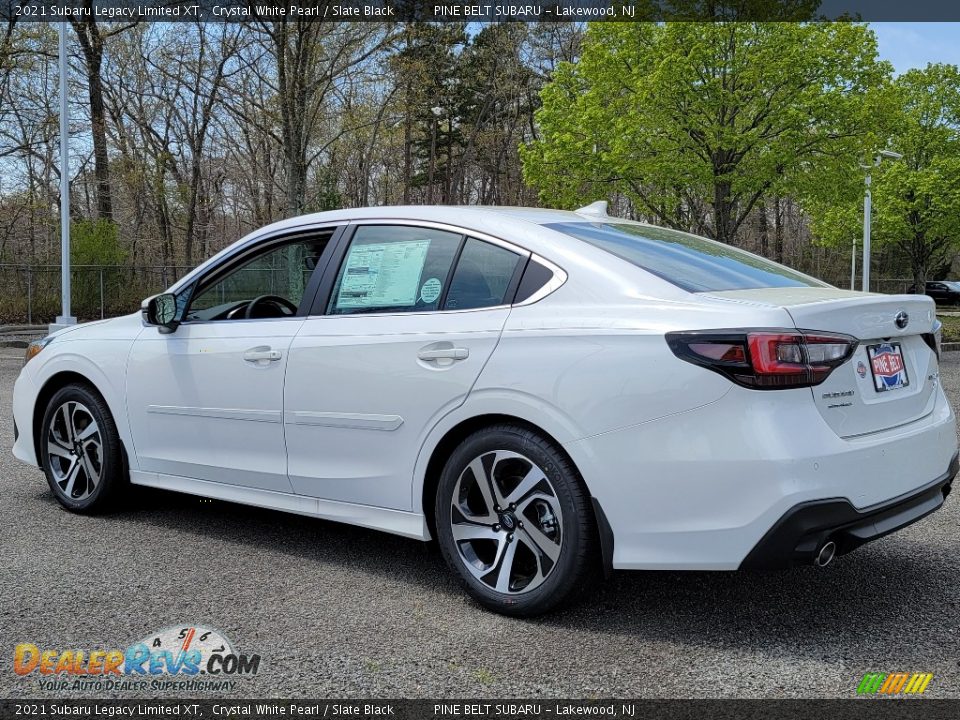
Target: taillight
(765,359)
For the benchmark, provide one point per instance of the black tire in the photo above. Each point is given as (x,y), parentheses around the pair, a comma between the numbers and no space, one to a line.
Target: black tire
(577,565)
(96,462)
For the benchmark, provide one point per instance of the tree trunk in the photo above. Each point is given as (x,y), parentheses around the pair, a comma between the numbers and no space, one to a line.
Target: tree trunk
(289,49)
(920,279)
(778,229)
(722,211)
(407,147)
(91,42)
(918,251)
(195,177)
(764,229)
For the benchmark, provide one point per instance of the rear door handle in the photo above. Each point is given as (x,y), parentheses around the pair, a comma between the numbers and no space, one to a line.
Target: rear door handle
(262,354)
(456,353)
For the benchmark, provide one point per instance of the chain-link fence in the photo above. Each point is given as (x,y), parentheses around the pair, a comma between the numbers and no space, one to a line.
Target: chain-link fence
(31,293)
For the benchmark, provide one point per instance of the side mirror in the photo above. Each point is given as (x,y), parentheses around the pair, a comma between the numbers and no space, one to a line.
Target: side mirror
(161,311)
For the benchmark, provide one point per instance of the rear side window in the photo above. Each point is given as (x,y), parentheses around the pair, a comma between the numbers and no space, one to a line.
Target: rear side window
(394,268)
(484,275)
(688,261)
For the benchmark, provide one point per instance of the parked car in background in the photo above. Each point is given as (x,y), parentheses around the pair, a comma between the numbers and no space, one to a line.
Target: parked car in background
(547,394)
(944,292)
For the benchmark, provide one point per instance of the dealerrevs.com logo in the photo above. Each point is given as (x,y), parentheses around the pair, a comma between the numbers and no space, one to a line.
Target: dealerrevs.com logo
(176,658)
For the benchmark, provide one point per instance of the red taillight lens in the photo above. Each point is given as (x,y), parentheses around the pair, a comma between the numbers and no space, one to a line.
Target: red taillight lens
(727,352)
(765,359)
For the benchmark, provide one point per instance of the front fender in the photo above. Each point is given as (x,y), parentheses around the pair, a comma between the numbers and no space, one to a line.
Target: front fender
(102,363)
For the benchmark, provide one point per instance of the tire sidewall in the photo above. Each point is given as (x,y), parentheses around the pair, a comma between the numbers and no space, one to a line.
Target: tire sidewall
(110,456)
(563,576)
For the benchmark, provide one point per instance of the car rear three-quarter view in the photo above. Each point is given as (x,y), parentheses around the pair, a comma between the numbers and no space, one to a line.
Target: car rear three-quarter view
(549,395)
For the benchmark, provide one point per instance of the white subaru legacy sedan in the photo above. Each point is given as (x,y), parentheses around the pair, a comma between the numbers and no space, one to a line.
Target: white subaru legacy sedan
(549,395)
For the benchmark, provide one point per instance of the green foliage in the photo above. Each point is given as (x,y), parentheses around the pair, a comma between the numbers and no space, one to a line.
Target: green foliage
(326,196)
(696,122)
(95,242)
(427,70)
(916,200)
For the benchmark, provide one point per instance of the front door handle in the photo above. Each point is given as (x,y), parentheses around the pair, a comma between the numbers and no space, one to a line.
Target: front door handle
(453,353)
(262,354)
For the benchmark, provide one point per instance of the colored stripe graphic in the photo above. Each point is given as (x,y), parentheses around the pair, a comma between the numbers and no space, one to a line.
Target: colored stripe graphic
(871,683)
(894,683)
(918,683)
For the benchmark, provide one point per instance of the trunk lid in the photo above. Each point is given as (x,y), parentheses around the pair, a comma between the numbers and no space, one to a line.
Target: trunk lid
(849,399)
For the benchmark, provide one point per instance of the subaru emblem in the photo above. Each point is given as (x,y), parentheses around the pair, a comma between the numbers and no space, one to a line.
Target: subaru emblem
(901,319)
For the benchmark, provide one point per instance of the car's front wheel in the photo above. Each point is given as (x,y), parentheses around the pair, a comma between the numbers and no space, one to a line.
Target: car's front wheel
(514,521)
(81,450)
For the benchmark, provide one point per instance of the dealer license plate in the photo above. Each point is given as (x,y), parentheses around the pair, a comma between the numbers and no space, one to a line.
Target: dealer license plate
(886,363)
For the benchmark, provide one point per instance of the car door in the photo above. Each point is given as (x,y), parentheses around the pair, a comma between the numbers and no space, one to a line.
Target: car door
(938,291)
(408,318)
(206,401)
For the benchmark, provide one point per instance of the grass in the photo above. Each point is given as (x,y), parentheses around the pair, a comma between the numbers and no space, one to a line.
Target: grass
(951,328)
(484,676)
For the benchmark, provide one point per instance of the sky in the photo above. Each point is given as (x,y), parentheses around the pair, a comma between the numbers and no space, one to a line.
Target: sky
(913,45)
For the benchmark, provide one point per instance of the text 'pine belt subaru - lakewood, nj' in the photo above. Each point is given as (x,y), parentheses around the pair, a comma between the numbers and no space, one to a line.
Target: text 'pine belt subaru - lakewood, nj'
(547,394)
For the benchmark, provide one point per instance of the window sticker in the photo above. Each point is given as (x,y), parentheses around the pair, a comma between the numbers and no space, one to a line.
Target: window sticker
(430,290)
(383,274)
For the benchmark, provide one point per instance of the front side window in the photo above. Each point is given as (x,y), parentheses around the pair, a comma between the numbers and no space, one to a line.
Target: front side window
(269,285)
(693,263)
(394,268)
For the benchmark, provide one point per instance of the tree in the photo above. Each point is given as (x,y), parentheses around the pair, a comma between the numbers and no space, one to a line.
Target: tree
(427,68)
(195,66)
(499,93)
(916,200)
(310,60)
(696,123)
(92,37)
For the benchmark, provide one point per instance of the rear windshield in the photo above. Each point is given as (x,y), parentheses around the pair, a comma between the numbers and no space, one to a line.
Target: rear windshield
(690,262)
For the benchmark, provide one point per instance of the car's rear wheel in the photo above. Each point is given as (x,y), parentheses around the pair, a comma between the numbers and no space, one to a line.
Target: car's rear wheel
(514,521)
(81,450)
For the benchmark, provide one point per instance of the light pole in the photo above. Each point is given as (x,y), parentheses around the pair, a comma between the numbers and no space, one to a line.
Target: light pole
(435,115)
(65,317)
(867,206)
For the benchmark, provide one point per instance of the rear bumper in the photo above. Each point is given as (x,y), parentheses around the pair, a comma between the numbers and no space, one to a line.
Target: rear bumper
(699,490)
(796,537)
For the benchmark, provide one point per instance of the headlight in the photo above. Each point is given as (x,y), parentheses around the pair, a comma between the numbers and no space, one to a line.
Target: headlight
(34,348)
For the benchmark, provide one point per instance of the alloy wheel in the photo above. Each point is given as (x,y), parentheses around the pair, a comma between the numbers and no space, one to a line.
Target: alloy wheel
(506,522)
(75,450)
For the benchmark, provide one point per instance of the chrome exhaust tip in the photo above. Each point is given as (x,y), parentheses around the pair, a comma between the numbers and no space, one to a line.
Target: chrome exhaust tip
(826,553)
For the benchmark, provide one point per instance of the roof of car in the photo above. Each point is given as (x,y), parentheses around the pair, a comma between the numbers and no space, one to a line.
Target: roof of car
(439,213)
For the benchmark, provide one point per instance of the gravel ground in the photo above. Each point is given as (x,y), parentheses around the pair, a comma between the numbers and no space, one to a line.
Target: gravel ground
(339,611)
